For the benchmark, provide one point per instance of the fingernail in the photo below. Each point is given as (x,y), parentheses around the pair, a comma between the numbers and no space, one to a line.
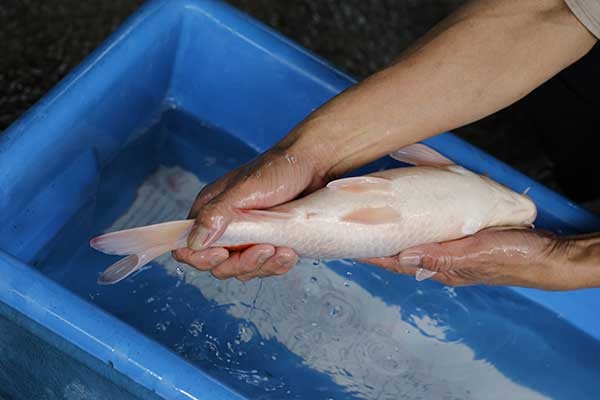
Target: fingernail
(411,260)
(197,237)
(283,262)
(264,256)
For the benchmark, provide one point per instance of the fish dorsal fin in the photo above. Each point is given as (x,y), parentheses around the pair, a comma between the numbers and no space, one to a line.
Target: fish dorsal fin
(360,184)
(421,155)
(372,215)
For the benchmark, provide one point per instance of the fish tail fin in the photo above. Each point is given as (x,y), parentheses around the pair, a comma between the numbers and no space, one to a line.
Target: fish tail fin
(130,264)
(140,245)
(421,155)
(133,241)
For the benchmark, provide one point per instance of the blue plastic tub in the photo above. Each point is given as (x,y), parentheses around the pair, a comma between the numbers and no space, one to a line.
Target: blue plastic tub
(197,86)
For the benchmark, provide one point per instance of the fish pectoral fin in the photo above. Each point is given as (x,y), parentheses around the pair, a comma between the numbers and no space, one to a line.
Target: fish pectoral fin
(360,184)
(421,155)
(423,274)
(372,216)
(132,241)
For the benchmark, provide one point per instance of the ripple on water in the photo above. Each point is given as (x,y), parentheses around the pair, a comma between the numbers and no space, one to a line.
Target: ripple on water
(336,312)
(382,354)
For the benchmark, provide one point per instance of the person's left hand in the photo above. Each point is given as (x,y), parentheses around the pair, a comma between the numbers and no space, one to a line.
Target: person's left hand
(512,257)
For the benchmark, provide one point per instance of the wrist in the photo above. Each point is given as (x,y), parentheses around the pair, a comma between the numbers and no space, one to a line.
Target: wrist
(337,145)
(317,142)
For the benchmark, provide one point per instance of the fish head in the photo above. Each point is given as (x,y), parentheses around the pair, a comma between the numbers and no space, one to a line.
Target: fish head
(509,207)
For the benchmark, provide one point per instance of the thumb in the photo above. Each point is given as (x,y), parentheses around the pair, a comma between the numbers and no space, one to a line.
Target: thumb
(491,246)
(268,181)
(211,222)
(436,257)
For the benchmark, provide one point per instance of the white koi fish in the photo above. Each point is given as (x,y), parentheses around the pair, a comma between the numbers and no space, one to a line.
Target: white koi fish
(375,215)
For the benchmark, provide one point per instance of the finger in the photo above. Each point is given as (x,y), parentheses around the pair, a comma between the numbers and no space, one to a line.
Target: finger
(392,264)
(451,278)
(438,257)
(434,257)
(201,260)
(281,262)
(245,262)
(491,247)
(258,272)
(254,190)
(211,223)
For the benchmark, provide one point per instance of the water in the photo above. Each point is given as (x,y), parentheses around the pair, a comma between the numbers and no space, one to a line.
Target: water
(338,330)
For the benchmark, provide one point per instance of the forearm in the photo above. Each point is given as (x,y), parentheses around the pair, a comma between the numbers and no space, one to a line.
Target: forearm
(482,58)
(579,267)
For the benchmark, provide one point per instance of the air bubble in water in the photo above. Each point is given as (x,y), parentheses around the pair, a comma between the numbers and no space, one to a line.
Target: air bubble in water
(196,328)
(335,310)
(161,326)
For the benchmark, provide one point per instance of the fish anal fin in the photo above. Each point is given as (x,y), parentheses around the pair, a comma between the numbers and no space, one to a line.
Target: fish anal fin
(266,214)
(421,155)
(372,215)
(360,184)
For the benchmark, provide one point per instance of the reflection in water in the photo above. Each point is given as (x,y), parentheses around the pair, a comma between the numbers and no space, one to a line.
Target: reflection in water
(325,330)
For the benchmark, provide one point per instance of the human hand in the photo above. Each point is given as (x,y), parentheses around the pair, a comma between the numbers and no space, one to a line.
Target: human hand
(277,176)
(511,257)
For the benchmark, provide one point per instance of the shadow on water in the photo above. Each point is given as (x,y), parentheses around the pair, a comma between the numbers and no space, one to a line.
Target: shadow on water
(325,330)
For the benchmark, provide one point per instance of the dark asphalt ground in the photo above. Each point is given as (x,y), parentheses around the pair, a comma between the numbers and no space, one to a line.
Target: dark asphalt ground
(41,40)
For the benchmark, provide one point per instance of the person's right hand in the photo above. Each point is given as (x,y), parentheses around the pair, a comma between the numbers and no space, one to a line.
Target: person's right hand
(275,177)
